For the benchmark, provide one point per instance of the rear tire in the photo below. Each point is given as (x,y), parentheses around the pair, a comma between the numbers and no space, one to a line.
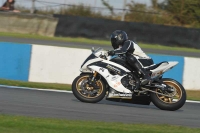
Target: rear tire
(84,93)
(166,103)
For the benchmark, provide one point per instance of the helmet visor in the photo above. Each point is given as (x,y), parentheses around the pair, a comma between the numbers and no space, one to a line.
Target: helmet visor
(114,43)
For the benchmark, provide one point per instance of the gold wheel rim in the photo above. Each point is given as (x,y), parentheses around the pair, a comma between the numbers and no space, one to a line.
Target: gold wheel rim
(176,95)
(85,90)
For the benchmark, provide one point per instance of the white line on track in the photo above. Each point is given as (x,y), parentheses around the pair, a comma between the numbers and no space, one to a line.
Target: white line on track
(52,90)
(27,88)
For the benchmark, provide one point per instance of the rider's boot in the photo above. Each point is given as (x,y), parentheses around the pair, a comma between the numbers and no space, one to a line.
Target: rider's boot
(136,64)
(146,79)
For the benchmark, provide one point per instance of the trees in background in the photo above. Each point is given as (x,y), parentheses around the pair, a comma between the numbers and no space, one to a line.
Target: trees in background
(170,12)
(141,13)
(186,12)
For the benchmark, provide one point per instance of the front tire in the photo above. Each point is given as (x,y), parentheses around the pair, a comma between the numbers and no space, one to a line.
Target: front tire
(85,93)
(166,103)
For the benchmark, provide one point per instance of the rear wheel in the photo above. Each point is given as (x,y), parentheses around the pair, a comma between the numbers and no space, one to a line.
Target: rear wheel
(85,92)
(174,100)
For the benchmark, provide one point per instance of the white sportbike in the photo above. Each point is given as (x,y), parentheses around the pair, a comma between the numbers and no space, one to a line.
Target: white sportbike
(111,77)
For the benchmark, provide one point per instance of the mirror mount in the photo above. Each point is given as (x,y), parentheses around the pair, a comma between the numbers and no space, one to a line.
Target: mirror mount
(92,49)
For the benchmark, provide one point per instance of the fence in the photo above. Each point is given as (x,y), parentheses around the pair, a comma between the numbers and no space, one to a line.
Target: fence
(76,26)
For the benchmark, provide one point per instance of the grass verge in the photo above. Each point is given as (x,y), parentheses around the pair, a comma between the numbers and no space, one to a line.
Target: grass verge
(36,84)
(19,124)
(191,94)
(93,41)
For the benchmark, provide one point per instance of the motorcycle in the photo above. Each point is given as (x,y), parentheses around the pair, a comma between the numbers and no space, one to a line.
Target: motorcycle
(112,77)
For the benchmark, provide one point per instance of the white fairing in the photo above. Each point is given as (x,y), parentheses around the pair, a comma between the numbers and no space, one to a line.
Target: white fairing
(84,68)
(114,81)
(117,65)
(163,68)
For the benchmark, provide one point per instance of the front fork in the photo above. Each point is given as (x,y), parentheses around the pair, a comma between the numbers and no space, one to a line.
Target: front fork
(94,76)
(92,80)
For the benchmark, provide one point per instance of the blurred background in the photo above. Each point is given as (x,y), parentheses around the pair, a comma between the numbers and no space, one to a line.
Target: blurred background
(185,13)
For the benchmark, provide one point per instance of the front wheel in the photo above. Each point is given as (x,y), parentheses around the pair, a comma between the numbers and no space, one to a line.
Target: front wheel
(175,101)
(86,93)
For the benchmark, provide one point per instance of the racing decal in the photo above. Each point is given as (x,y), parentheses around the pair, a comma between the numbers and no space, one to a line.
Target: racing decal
(101,69)
(114,78)
(103,65)
(156,74)
(114,69)
(107,76)
(117,84)
(120,95)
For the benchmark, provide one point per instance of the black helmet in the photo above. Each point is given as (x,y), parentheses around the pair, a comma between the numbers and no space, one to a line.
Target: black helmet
(118,37)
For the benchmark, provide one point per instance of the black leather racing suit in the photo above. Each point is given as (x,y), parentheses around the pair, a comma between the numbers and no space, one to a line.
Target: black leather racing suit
(128,49)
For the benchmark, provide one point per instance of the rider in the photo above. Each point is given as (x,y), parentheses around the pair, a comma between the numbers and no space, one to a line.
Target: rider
(123,46)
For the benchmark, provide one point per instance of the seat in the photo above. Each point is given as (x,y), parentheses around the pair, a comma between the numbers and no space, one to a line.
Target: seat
(148,68)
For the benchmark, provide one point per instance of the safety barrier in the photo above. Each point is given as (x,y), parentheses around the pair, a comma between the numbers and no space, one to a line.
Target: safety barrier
(77,26)
(51,64)
(27,24)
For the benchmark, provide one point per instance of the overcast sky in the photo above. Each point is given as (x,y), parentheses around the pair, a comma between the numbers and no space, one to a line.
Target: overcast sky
(114,3)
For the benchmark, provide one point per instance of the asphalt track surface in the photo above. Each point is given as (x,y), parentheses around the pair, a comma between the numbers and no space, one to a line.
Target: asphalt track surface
(89,46)
(65,106)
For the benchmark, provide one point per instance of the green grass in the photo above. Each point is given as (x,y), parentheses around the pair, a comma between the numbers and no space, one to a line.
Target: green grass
(191,94)
(94,41)
(19,124)
(35,84)
(65,39)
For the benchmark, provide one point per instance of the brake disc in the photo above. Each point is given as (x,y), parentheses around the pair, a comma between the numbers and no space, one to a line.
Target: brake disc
(87,90)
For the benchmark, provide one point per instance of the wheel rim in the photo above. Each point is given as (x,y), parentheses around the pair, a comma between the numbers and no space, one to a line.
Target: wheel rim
(87,91)
(176,95)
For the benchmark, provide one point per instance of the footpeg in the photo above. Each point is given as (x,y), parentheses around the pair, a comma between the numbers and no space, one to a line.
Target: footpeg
(146,81)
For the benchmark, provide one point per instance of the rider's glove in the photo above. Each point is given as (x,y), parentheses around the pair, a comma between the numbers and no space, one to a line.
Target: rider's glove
(111,52)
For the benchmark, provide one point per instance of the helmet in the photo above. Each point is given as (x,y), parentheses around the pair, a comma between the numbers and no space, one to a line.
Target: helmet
(117,38)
